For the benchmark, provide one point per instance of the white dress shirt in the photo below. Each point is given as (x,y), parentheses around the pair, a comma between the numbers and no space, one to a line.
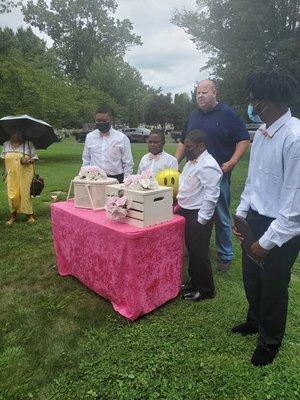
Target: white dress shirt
(110,152)
(199,186)
(156,163)
(273,184)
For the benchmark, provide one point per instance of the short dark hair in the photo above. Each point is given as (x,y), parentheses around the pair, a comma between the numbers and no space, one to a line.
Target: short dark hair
(273,85)
(159,133)
(104,110)
(197,136)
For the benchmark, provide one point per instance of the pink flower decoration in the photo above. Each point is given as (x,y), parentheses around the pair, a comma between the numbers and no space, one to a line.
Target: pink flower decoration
(141,182)
(112,200)
(117,208)
(92,173)
(121,201)
(146,174)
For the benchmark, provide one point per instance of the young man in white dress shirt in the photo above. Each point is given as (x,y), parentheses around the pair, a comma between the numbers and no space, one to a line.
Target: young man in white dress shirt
(107,148)
(157,159)
(199,190)
(270,203)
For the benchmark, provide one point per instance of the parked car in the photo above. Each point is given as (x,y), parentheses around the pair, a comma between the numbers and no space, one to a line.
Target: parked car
(176,136)
(138,135)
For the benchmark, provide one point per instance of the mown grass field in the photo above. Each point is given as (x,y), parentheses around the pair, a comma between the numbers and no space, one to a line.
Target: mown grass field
(60,341)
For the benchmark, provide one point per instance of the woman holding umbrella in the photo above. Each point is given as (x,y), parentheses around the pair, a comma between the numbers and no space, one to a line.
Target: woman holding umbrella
(21,135)
(19,156)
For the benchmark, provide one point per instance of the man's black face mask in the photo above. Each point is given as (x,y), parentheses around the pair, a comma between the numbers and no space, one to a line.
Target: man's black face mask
(103,126)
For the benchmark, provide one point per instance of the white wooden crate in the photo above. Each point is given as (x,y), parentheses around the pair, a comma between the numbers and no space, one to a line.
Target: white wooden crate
(90,194)
(148,207)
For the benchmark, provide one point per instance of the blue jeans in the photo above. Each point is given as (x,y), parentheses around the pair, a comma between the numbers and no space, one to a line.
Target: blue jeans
(223,221)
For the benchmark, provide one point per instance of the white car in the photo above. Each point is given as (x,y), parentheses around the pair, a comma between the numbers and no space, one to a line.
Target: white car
(139,135)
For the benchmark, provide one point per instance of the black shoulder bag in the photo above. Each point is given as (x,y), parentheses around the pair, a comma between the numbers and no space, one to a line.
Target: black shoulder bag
(37,183)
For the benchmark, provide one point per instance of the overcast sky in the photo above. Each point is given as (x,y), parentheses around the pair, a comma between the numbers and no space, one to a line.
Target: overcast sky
(167,57)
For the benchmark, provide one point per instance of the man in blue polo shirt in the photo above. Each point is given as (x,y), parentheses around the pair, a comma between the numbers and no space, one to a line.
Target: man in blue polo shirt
(227,141)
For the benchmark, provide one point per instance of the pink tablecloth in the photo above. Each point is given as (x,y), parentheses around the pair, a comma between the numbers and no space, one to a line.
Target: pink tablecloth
(136,269)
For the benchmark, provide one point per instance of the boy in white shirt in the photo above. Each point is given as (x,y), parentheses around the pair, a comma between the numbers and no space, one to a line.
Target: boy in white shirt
(157,159)
(199,190)
(108,148)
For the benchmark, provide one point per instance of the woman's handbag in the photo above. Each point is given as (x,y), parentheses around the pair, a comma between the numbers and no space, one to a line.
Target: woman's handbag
(37,183)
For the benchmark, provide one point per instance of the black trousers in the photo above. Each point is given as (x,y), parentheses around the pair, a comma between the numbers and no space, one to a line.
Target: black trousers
(197,239)
(119,177)
(267,288)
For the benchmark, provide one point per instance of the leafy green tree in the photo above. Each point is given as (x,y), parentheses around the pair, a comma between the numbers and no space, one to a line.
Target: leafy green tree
(29,87)
(160,110)
(182,107)
(7,40)
(81,31)
(6,6)
(24,39)
(123,83)
(88,99)
(33,83)
(241,36)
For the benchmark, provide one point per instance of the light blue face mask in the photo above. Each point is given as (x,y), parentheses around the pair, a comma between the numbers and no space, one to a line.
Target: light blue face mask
(254,118)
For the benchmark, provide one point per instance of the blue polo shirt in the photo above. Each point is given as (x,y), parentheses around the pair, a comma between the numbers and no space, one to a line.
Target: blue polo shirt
(224,130)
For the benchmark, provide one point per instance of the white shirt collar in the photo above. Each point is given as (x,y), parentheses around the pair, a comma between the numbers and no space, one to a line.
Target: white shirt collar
(277,124)
(105,134)
(155,156)
(195,161)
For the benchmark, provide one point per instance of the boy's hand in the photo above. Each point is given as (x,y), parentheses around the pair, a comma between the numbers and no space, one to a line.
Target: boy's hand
(237,234)
(259,251)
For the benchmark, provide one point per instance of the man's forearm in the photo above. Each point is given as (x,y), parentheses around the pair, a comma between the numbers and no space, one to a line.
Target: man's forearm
(180,152)
(240,149)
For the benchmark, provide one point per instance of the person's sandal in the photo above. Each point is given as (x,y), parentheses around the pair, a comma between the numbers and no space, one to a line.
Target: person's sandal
(30,220)
(11,220)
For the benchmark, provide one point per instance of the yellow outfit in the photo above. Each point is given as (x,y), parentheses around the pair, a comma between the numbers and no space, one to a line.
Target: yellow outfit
(18,182)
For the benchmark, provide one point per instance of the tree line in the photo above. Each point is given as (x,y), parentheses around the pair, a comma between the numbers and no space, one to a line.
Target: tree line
(84,67)
(242,35)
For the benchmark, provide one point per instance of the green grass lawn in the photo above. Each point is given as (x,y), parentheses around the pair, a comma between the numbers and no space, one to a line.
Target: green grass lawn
(61,341)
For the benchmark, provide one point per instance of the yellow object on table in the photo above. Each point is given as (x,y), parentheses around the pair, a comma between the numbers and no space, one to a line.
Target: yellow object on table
(169,178)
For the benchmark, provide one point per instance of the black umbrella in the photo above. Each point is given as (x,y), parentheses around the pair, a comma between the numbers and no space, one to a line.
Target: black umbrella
(37,131)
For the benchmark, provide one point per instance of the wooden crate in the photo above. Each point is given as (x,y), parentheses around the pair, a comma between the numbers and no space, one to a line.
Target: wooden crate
(148,207)
(90,194)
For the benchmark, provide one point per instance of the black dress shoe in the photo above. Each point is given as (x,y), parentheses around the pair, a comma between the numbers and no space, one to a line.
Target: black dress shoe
(195,295)
(187,286)
(264,355)
(245,329)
